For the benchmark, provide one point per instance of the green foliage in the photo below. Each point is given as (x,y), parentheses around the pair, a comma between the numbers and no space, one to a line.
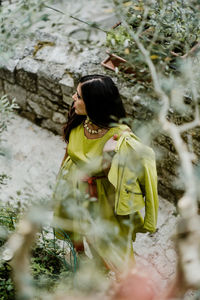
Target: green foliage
(8,217)
(48,263)
(169,32)
(4,177)
(7,290)
(46,266)
(6,108)
(166,29)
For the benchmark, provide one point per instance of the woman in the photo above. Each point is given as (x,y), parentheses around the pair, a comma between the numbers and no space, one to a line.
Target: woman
(103,178)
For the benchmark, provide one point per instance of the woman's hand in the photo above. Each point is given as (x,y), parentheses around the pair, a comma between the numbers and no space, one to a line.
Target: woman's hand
(110,145)
(108,152)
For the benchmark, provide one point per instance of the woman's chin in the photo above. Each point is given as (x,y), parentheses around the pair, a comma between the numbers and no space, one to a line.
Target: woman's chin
(79,112)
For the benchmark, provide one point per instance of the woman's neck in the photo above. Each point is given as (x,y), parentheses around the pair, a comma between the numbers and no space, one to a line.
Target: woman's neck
(93,131)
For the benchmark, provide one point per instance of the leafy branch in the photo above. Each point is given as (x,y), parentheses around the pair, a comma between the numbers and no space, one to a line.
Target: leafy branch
(188,227)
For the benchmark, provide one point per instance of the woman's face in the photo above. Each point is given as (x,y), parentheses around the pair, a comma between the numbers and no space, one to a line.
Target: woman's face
(79,104)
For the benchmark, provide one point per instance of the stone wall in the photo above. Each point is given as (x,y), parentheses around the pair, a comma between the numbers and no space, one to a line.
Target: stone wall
(42,81)
(43,77)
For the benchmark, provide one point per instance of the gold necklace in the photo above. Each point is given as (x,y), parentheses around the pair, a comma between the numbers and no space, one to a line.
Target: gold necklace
(91,131)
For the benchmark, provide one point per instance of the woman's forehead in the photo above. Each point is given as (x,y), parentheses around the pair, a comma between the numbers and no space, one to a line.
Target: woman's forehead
(79,89)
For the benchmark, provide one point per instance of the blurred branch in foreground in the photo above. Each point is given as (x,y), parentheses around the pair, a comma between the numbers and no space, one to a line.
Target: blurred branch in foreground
(17,252)
(188,233)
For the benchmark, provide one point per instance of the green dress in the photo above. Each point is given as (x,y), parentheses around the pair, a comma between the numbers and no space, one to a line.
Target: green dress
(93,217)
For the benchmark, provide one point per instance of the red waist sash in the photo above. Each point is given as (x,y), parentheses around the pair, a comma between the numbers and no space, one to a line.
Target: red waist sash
(92,185)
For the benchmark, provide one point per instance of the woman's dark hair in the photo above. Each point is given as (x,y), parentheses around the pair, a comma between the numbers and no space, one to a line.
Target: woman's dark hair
(102,101)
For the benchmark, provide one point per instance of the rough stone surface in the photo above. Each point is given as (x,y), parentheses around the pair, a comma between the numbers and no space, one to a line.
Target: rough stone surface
(49,75)
(39,110)
(35,156)
(29,65)
(64,111)
(7,70)
(86,62)
(165,141)
(1,88)
(158,249)
(51,105)
(36,98)
(29,115)
(59,118)
(48,94)
(49,85)
(67,85)
(169,178)
(44,102)
(68,100)
(13,90)
(53,54)
(49,124)
(195,145)
(167,159)
(26,73)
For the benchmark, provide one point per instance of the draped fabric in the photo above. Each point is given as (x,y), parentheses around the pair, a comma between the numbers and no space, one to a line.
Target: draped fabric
(86,197)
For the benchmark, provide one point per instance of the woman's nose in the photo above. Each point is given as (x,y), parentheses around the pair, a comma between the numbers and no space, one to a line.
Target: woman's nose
(74,97)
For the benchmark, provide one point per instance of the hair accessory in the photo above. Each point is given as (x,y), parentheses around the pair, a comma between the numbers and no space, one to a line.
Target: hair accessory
(91,131)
